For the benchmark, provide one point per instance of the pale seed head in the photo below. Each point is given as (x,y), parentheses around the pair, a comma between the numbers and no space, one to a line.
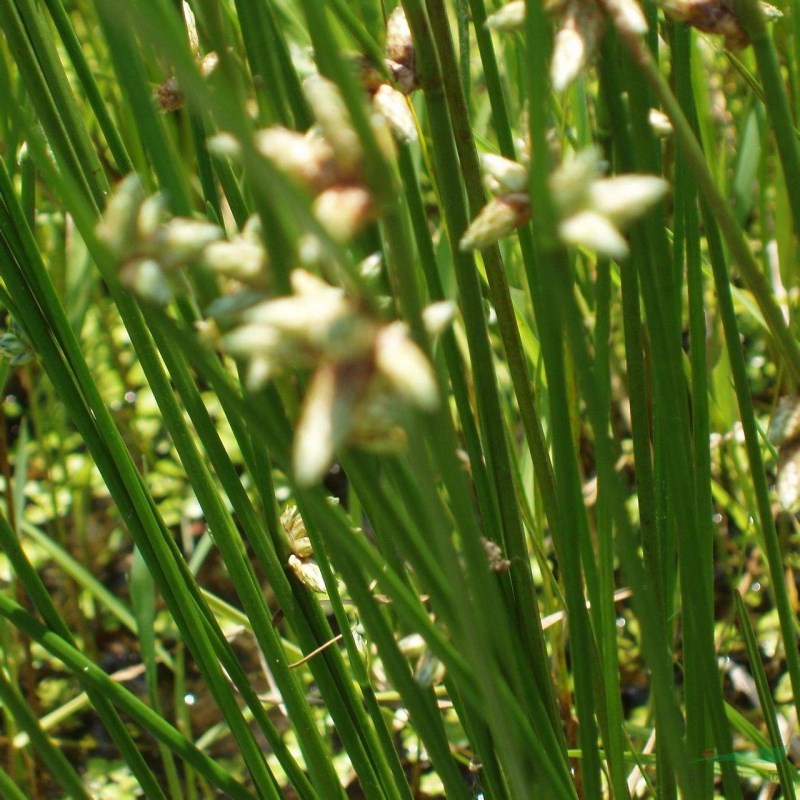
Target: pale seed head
(307,283)
(300,316)
(295,528)
(627,15)
(371,267)
(437,317)
(191,27)
(152,216)
(399,44)
(259,373)
(509,18)
(315,437)
(239,258)
(118,229)
(660,123)
(327,417)
(364,372)
(223,145)
(569,184)
(413,645)
(580,30)
(509,176)
(267,343)
(343,210)
(593,209)
(400,51)
(569,56)
(334,121)
(625,198)
(405,367)
(308,573)
(208,63)
(393,107)
(496,219)
(181,241)
(592,230)
(146,278)
(318,320)
(307,158)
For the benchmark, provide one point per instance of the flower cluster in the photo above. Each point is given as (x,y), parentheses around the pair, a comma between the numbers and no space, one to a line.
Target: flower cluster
(301,559)
(327,160)
(168,95)
(716,17)
(364,371)
(295,529)
(152,248)
(400,51)
(580,26)
(593,210)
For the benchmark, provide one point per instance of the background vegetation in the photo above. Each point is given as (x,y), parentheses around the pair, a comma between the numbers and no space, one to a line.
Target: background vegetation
(362,436)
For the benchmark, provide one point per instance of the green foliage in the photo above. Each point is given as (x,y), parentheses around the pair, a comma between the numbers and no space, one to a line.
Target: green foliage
(395,401)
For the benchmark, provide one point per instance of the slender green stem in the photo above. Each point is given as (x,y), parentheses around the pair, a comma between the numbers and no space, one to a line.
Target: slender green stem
(659,288)
(487,502)
(251,595)
(688,210)
(131,72)
(718,206)
(40,92)
(752,20)
(786,771)
(767,523)
(93,94)
(501,297)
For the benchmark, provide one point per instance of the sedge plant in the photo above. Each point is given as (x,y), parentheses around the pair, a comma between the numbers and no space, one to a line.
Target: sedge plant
(427,372)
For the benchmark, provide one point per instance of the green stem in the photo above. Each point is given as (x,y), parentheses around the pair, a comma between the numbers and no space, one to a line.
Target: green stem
(749,14)
(718,206)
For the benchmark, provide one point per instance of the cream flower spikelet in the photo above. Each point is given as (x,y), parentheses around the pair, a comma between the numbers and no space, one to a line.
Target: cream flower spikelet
(593,210)
(364,371)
